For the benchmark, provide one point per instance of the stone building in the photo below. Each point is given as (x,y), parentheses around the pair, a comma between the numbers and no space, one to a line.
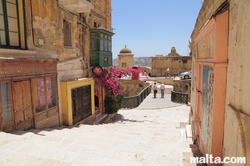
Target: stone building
(183,86)
(45,44)
(220,86)
(125,58)
(173,60)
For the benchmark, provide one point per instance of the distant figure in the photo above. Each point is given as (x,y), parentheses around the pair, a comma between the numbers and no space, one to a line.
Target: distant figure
(162,87)
(155,89)
(167,72)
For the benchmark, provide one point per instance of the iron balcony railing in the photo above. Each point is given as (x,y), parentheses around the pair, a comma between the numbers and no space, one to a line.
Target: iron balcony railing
(179,97)
(135,101)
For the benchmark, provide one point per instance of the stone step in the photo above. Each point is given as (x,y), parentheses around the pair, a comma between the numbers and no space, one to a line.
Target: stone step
(194,152)
(189,131)
(98,118)
(108,118)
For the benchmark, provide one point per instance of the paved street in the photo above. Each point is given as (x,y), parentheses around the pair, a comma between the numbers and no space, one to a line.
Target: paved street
(150,135)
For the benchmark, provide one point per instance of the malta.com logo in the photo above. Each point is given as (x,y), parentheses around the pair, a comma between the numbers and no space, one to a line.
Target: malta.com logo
(209,159)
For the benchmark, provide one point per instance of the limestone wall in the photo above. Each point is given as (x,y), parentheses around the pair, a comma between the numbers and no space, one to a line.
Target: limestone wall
(237,110)
(45,35)
(160,64)
(126,58)
(183,86)
(238,86)
(45,30)
(133,87)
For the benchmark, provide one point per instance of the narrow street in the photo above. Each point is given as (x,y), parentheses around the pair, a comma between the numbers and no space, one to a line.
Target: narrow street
(150,135)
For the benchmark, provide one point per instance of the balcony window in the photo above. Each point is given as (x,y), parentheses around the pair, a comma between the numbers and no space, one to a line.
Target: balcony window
(101,46)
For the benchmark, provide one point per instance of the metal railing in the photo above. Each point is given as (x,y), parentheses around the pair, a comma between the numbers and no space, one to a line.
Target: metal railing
(179,97)
(135,101)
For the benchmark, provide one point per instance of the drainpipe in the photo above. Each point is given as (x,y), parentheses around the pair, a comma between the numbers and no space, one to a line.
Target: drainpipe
(83,60)
(32,28)
(84,67)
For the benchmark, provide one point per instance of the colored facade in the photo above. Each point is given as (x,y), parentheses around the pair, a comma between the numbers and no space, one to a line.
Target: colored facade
(64,40)
(173,61)
(220,88)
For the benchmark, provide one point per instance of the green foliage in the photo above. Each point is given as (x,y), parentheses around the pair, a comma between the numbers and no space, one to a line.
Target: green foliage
(113,103)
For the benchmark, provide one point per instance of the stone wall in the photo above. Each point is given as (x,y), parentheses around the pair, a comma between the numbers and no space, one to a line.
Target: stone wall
(133,87)
(160,64)
(45,35)
(238,86)
(183,86)
(126,58)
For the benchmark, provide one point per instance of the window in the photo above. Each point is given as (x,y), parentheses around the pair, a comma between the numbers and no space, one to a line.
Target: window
(5,103)
(67,33)
(100,47)
(109,43)
(105,43)
(106,60)
(94,41)
(101,40)
(96,25)
(123,64)
(44,93)
(12,31)
(184,61)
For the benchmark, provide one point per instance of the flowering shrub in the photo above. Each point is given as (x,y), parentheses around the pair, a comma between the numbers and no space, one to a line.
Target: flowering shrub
(114,89)
(110,80)
(113,103)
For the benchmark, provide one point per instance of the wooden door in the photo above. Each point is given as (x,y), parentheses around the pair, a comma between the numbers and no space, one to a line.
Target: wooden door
(23,114)
(81,103)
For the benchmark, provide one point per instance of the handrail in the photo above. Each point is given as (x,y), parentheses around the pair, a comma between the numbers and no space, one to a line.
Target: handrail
(135,101)
(179,97)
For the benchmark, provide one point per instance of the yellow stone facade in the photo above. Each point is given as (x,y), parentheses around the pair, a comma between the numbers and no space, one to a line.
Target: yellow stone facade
(125,58)
(173,60)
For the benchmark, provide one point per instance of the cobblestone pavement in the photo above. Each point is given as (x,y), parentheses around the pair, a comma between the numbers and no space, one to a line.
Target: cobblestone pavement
(150,135)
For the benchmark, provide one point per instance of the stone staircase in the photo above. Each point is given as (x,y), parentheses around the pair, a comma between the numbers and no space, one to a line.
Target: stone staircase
(97,119)
(191,151)
(194,152)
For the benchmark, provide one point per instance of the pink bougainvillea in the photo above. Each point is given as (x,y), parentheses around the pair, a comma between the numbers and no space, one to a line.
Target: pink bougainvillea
(110,79)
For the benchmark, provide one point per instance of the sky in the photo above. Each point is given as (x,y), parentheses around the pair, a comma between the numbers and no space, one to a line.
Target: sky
(150,28)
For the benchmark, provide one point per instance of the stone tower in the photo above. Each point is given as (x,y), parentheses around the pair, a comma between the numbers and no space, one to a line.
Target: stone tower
(125,58)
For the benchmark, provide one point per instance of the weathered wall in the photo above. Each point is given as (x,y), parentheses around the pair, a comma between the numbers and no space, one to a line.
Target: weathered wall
(160,64)
(45,35)
(183,86)
(133,87)
(238,86)
(101,14)
(237,115)
(207,10)
(45,23)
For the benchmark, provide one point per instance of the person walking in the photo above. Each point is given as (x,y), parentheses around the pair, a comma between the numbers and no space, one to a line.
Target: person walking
(162,87)
(155,90)
(167,72)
